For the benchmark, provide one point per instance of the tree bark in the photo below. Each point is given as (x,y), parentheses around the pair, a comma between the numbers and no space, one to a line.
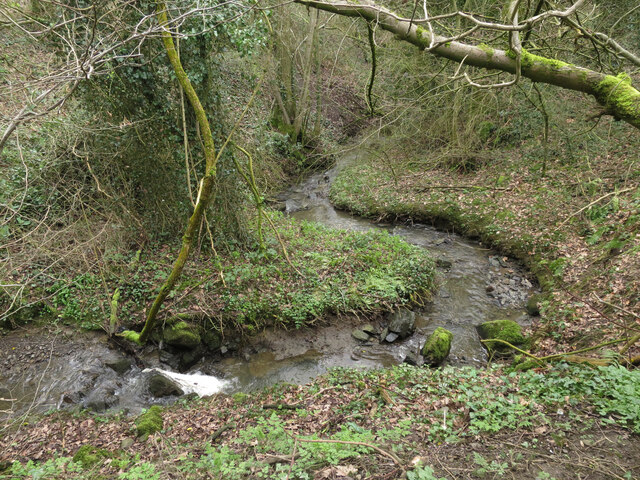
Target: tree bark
(616,94)
(206,184)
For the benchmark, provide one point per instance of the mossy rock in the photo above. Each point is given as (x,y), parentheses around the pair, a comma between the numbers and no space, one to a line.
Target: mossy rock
(88,456)
(212,340)
(533,305)
(505,330)
(437,347)
(149,422)
(23,315)
(181,335)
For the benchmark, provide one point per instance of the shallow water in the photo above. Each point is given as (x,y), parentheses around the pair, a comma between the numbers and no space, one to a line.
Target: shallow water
(461,304)
(75,372)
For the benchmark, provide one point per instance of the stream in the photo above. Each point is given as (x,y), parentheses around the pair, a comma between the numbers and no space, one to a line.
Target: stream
(40,373)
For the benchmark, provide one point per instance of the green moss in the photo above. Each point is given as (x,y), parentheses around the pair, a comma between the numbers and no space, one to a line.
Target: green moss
(487,49)
(522,363)
(149,422)
(532,306)
(424,37)
(618,94)
(88,456)
(132,336)
(437,346)
(505,330)
(181,334)
(239,397)
(528,60)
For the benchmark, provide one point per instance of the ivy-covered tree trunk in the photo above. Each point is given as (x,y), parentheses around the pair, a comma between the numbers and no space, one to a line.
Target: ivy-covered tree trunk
(615,93)
(206,186)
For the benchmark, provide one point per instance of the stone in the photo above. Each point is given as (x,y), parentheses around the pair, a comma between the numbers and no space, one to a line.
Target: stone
(368,328)
(532,307)
(391,337)
(413,358)
(102,398)
(88,456)
(149,422)
(126,443)
(437,347)
(161,386)
(403,323)
(506,330)
(360,335)
(170,359)
(119,364)
(189,358)
(384,334)
(212,340)
(494,262)
(443,263)
(181,335)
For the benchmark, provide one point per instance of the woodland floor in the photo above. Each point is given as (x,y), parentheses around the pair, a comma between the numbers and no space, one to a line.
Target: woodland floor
(462,423)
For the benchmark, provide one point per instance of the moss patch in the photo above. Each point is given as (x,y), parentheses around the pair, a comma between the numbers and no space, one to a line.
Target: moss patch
(619,96)
(182,335)
(132,336)
(149,422)
(505,330)
(437,346)
(88,456)
(487,49)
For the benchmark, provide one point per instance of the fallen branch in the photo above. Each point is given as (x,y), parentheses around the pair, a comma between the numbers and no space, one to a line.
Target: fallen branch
(629,344)
(281,406)
(462,187)
(556,355)
(221,430)
(624,310)
(593,203)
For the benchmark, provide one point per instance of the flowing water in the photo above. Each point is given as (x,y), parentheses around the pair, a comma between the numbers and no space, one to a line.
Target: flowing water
(476,285)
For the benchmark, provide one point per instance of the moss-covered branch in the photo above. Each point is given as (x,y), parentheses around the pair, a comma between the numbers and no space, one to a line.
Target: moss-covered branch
(206,184)
(616,94)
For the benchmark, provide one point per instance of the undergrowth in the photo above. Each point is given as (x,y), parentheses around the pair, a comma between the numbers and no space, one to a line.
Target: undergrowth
(341,422)
(328,271)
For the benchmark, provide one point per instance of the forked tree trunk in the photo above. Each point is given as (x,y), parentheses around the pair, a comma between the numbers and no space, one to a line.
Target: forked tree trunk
(616,94)
(205,190)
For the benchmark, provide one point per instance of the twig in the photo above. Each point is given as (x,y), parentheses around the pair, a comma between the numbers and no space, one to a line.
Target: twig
(556,355)
(593,203)
(597,310)
(629,344)
(463,187)
(281,406)
(221,430)
(617,307)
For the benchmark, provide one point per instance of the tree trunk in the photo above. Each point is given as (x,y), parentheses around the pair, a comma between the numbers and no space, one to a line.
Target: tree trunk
(616,94)
(206,184)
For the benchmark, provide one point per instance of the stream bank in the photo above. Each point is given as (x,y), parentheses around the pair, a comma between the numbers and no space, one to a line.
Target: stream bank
(475,285)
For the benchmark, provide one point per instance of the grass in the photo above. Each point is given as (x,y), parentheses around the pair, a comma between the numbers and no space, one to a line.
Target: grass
(329,272)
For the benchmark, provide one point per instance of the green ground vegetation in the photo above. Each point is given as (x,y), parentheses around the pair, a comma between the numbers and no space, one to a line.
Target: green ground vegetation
(341,422)
(326,271)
